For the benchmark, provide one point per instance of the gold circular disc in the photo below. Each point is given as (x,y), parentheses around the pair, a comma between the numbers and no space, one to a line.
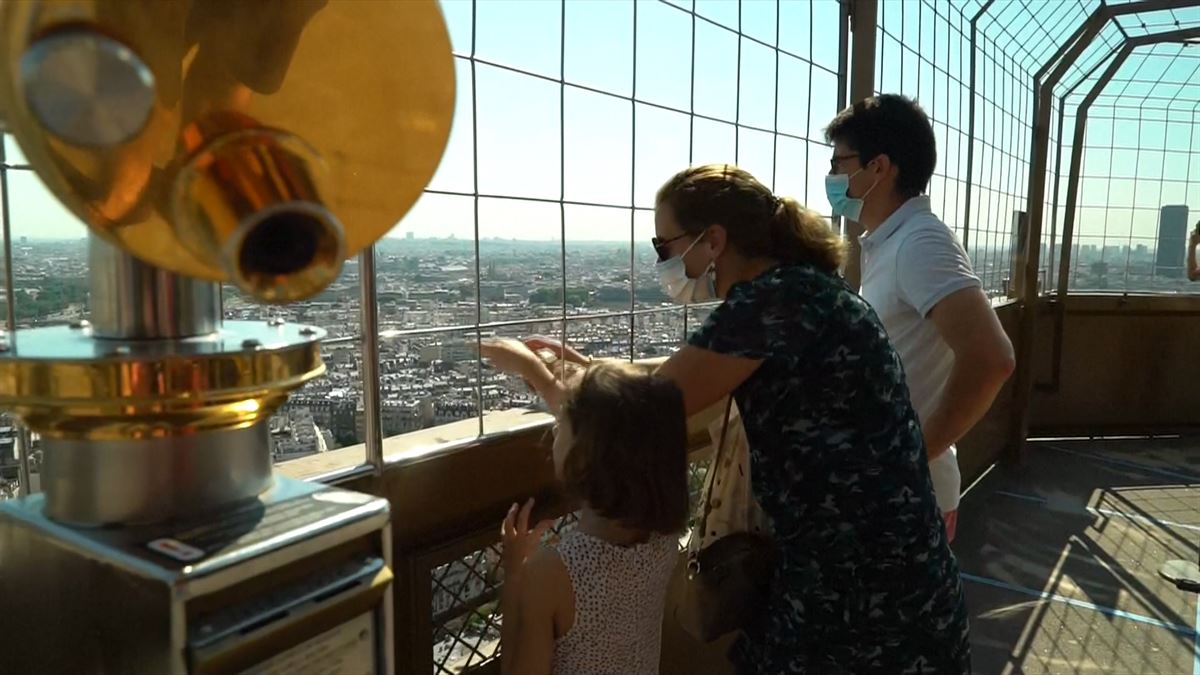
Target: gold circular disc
(369,84)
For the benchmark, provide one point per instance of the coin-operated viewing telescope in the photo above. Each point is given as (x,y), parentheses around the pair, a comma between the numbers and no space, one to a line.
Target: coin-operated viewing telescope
(260,143)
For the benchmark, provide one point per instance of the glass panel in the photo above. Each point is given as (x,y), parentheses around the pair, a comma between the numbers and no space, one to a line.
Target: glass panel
(825,17)
(520,260)
(646,289)
(664,74)
(327,413)
(455,173)
(716,71)
(458,19)
(756,154)
(519,150)
(661,148)
(791,169)
(658,333)
(793,96)
(607,337)
(756,98)
(523,34)
(598,257)
(713,142)
(824,103)
(724,12)
(818,168)
(598,148)
(599,45)
(758,21)
(795,28)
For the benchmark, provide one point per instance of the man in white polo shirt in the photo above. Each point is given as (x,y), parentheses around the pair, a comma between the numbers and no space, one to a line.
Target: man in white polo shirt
(916,275)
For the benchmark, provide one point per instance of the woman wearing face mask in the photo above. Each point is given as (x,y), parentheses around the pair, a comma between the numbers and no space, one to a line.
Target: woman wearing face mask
(866,582)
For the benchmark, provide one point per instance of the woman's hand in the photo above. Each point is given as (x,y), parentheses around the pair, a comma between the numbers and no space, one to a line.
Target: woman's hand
(539,342)
(510,356)
(519,541)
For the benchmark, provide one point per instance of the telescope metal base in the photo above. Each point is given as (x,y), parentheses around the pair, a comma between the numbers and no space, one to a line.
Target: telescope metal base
(269,581)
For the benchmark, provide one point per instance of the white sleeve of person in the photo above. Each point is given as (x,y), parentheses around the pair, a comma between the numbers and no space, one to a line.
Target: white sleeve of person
(734,508)
(931,265)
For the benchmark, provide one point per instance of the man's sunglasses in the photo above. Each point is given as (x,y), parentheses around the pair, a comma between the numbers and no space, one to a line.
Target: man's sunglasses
(660,245)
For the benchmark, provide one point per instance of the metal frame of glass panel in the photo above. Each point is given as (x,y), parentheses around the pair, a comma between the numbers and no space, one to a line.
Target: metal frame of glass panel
(1075,58)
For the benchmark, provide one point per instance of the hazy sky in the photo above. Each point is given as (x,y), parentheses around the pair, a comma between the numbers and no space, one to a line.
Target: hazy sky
(616,151)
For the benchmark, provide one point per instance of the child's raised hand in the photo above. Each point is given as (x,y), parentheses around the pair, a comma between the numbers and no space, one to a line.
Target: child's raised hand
(539,342)
(510,356)
(519,541)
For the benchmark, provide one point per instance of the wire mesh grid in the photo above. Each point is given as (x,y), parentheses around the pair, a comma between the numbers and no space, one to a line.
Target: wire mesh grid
(930,50)
(1122,228)
(1130,220)
(465,612)
(1137,187)
(674,83)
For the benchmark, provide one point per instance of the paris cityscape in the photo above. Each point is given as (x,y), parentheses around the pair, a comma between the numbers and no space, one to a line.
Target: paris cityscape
(428,314)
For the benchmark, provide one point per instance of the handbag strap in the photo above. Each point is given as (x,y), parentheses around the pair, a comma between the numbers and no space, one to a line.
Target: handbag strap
(715,466)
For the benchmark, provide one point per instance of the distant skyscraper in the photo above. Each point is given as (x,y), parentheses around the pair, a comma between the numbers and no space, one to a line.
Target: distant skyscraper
(1172,241)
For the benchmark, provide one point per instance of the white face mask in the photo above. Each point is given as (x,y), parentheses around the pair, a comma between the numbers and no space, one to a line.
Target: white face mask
(672,275)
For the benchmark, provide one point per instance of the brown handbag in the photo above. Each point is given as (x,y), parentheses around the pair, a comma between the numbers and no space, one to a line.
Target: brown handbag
(726,584)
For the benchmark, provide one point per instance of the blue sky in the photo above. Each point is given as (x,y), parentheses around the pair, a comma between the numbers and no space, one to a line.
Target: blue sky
(609,150)
(616,150)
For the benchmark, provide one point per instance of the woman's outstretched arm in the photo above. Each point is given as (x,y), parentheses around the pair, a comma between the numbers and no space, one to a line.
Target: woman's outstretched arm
(706,377)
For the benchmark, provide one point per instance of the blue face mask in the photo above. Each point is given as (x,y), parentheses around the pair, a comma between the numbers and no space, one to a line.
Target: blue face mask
(837,189)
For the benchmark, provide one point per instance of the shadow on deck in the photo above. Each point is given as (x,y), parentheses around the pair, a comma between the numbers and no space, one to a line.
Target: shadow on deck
(1060,558)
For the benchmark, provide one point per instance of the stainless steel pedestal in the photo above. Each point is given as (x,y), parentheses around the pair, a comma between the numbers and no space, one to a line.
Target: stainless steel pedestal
(295,581)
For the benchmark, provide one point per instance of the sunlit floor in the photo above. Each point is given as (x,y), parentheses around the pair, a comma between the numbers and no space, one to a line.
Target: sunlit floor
(1060,559)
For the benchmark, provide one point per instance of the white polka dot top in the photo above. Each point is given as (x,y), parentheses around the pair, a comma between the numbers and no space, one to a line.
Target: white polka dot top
(619,596)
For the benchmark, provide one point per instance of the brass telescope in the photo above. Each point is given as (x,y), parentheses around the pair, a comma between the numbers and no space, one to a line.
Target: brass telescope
(259,143)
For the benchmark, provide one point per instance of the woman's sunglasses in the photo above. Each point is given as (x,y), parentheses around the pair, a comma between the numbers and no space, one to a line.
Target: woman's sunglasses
(660,245)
